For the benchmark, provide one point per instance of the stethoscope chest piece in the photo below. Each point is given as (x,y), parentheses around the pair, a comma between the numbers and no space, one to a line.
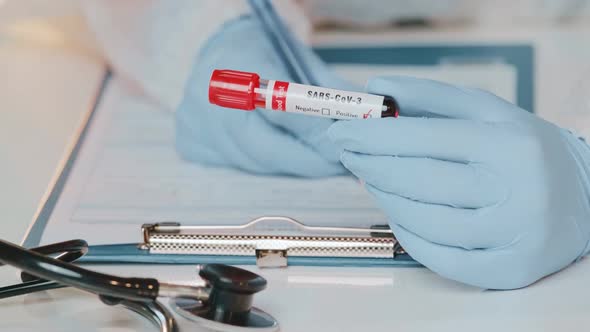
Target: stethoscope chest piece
(229,306)
(192,310)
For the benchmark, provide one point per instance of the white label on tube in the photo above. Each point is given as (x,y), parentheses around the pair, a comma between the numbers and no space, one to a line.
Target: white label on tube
(324,102)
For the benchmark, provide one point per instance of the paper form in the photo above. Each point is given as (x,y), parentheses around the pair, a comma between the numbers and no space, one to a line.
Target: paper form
(128,173)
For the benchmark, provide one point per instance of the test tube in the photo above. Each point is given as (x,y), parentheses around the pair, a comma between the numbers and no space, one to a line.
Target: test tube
(247,91)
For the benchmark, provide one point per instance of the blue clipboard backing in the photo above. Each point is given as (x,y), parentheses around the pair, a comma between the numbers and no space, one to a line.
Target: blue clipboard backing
(521,56)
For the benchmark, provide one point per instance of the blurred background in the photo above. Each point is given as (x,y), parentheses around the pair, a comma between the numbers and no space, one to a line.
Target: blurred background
(53,55)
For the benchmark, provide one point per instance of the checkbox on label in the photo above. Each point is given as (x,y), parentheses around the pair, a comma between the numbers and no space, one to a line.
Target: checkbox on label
(325,111)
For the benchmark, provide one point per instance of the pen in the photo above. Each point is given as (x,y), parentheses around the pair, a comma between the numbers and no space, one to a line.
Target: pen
(247,91)
(283,42)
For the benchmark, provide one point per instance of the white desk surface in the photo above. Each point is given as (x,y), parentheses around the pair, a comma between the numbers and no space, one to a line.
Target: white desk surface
(44,92)
(43,95)
(339,299)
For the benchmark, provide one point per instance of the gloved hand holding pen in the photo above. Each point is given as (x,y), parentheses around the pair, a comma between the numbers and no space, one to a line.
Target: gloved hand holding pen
(476,189)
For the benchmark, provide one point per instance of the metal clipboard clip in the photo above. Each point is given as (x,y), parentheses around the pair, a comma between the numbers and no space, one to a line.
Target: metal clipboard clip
(271,240)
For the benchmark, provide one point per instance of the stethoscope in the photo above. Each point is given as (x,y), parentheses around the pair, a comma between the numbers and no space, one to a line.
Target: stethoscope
(224,303)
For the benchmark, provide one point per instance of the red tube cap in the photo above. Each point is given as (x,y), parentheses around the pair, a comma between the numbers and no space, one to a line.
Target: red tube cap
(233,89)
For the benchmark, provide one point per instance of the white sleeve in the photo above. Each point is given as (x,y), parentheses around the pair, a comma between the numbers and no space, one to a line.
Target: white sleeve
(153,43)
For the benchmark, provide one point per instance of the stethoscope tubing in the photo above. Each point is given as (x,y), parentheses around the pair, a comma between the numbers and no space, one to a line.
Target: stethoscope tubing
(67,274)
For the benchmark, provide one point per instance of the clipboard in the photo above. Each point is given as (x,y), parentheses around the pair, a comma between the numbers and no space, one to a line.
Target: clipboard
(288,242)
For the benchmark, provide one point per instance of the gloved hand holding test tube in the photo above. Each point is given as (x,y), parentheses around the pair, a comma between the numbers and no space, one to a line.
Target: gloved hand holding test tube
(475,188)
(247,91)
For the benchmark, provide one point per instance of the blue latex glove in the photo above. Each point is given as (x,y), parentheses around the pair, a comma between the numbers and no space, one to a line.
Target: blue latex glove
(476,189)
(260,141)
